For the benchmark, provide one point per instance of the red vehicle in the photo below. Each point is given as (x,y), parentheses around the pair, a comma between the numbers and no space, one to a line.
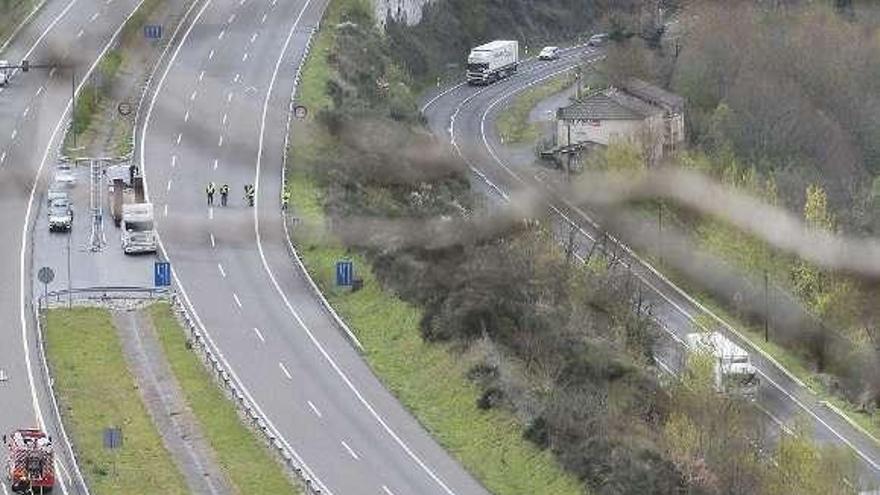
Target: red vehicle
(30,462)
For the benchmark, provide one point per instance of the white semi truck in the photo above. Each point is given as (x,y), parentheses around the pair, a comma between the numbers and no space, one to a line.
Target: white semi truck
(733,371)
(138,228)
(492,61)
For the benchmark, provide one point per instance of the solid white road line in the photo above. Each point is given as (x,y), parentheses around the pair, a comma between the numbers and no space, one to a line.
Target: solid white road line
(237,300)
(320,347)
(284,370)
(350,450)
(3,485)
(259,335)
(315,409)
(222,271)
(213,243)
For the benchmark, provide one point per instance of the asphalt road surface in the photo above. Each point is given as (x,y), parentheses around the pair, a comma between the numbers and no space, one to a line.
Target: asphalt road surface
(464,116)
(32,109)
(219,114)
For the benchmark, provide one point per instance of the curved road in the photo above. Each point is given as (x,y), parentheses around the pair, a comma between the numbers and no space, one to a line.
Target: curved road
(32,112)
(465,116)
(218,113)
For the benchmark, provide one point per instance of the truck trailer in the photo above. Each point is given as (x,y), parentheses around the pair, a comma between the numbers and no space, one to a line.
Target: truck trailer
(493,61)
(30,461)
(733,371)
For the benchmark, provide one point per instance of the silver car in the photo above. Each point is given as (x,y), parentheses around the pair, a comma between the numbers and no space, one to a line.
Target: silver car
(60,214)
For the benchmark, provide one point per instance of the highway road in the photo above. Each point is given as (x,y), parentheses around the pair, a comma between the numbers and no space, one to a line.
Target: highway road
(218,112)
(464,116)
(32,109)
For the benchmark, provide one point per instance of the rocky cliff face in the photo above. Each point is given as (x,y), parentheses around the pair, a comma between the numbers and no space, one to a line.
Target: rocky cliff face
(408,11)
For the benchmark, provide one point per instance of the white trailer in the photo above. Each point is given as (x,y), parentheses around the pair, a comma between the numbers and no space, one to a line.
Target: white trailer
(734,372)
(138,228)
(492,61)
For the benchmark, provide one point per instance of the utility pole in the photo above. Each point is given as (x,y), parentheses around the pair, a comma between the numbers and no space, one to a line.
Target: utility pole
(660,230)
(766,306)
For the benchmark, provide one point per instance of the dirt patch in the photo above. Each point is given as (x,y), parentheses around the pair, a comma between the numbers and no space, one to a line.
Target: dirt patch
(166,404)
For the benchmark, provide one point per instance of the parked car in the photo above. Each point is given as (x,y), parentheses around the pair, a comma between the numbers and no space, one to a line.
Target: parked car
(598,39)
(64,175)
(5,72)
(60,214)
(549,53)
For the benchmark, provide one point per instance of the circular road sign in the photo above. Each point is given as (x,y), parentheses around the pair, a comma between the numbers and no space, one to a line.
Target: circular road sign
(46,275)
(124,108)
(300,111)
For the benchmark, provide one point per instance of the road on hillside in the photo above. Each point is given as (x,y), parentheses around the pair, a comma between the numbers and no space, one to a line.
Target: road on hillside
(32,108)
(218,113)
(464,116)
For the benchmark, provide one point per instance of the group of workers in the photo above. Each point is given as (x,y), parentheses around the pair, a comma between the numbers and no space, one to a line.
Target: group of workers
(249,192)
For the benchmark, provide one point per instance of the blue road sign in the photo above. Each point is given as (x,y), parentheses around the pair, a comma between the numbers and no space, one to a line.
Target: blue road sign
(344,273)
(162,273)
(153,31)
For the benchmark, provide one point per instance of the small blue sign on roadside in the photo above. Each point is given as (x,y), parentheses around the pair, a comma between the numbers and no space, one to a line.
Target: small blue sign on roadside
(344,273)
(153,31)
(162,274)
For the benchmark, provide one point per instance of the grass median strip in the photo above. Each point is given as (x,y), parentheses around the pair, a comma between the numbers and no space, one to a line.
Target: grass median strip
(513,122)
(245,459)
(96,391)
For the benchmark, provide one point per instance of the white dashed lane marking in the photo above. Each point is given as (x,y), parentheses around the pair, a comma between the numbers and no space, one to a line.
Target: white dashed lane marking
(211,55)
(186,116)
(201,75)
(213,243)
(80,33)
(14,133)
(179,137)
(387,490)
(94,16)
(237,300)
(193,95)
(222,271)
(231,19)
(173,161)
(259,335)
(350,450)
(220,142)
(168,187)
(215,164)
(315,409)
(244,57)
(284,370)
(3,157)
(222,33)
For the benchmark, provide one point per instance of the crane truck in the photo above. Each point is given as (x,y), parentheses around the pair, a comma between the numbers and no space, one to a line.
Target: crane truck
(493,61)
(30,462)
(733,369)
